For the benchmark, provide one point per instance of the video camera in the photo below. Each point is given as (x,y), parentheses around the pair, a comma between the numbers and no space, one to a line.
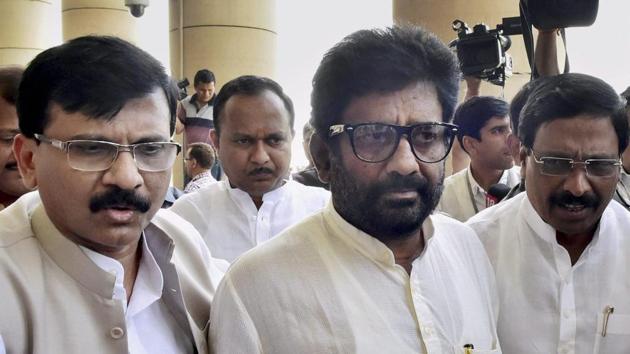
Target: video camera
(181,86)
(482,52)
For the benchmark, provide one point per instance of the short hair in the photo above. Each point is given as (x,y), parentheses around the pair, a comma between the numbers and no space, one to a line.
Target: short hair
(203,153)
(472,115)
(378,61)
(204,76)
(565,96)
(93,75)
(10,77)
(249,85)
(626,95)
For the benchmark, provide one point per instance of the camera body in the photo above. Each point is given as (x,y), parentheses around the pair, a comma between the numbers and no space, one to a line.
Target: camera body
(136,7)
(482,52)
(181,86)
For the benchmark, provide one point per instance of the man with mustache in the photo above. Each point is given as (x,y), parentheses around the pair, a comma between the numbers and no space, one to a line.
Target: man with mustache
(560,250)
(11,186)
(484,128)
(374,272)
(96,266)
(253,130)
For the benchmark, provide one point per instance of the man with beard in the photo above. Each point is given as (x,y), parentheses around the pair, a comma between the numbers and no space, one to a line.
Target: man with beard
(96,266)
(484,129)
(373,272)
(11,186)
(253,120)
(560,250)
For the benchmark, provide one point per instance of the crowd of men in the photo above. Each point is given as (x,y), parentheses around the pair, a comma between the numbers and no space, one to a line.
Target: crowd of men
(393,258)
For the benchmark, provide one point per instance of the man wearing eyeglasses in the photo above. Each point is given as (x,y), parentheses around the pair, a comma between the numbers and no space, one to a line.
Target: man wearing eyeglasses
(11,186)
(373,272)
(560,250)
(97,266)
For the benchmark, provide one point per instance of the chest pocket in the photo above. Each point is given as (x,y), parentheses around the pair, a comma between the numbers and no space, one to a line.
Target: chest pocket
(617,339)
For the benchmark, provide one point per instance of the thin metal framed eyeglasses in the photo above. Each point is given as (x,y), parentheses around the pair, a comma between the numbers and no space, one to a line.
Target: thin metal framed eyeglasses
(562,166)
(95,155)
(377,142)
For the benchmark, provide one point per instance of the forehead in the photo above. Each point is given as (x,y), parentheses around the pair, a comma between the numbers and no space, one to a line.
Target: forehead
(244,113)
(146,117)
(204,86)
(581,135)
(415,103)
(497,121)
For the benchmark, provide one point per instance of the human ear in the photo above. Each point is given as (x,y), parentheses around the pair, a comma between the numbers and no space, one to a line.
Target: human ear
(320,152)
(25,151)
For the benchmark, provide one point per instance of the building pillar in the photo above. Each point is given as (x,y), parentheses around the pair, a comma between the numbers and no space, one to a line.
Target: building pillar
(102,17)
(27,28)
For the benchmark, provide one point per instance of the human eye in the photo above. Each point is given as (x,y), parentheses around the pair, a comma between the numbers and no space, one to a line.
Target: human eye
(149,149)
(90,148)
(423,135)
(601,167)
(373,134)
(242,140)
(275,140)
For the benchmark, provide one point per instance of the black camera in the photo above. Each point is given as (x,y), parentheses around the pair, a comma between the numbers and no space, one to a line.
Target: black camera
(181,85)
(482,52)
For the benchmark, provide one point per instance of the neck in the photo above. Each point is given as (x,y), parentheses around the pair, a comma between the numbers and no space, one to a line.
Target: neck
(130,261)
(197,172)
(574,244)
(6,199)
(407,249)
(485,177)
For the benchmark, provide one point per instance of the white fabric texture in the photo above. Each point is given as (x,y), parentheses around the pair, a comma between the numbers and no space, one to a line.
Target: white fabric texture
(324,286)
(199,181)
(150,326)
(229,222)
(456,201)
(547,305)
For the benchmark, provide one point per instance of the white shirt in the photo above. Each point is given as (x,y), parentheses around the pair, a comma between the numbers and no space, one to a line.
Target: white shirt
(150,326)
(547,305)
(324,286)
(461,189)
(229,222)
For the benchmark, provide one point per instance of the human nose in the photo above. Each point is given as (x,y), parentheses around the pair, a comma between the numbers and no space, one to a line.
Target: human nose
(577,181)
(259,155)
(403,161)
(123,172)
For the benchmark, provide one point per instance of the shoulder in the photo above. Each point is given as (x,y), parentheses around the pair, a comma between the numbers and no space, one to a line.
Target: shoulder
(300,191)
(457,177)
(452,230)
(15,220)
(201,198)
(492,222)
(280,254)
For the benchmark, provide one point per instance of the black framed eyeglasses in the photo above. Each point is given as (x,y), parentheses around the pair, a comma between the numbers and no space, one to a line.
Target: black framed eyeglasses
(94,155)
(377,142)
(561,166)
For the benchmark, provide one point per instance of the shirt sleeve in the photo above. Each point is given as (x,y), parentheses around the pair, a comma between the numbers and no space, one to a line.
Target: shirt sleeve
(232,330)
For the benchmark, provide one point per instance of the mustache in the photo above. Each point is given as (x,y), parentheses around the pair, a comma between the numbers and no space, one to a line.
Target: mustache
(587,199)
(260,171)
(397,182)
(118,197)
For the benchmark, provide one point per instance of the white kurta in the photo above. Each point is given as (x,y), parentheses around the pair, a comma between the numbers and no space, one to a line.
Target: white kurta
(461,191)
(323,286)
(229,222)
(547,305)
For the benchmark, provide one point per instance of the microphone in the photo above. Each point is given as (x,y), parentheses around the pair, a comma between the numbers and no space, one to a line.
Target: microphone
(496,193)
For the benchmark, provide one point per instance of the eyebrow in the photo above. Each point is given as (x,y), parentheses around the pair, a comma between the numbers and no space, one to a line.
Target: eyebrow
(10,131)
(145,139)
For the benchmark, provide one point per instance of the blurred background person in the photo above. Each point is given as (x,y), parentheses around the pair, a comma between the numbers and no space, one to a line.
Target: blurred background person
(199,159)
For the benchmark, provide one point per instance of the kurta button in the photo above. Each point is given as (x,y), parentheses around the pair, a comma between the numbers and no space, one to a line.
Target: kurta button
(117,332)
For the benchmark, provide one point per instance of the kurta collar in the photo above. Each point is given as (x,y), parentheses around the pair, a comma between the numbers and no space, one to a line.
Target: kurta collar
(368,245)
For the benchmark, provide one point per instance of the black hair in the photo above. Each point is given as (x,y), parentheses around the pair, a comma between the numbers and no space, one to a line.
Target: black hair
(93,75)
(472,115)
(565,96)
(249,85)
(203,153)
(374,61)
(203,76)
(10,77)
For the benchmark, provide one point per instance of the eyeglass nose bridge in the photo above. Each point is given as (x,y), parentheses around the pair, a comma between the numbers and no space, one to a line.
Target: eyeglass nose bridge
(124,148)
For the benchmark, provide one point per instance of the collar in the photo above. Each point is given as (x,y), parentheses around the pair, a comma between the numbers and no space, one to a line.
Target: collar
(366,244)
(476,188)
(205,174)
(193,99)
(77,264)
(548,233)
(243,198)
